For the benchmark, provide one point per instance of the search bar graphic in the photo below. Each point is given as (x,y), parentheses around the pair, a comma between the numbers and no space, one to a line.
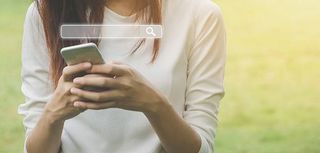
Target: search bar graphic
(85,31)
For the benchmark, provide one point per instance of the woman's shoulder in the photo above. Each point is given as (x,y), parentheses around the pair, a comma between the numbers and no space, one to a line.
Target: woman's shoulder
(32,14)
(196,8)
(33,21)
(205,7)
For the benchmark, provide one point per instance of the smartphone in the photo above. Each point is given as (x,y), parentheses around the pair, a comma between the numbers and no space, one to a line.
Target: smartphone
(88,52)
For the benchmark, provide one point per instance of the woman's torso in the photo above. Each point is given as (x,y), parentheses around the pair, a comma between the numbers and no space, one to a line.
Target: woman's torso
(122,131)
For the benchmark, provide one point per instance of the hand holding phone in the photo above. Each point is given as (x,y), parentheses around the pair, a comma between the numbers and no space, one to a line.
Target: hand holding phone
(80,54)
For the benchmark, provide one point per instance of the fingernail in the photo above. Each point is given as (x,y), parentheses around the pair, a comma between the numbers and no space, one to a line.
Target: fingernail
(76,104)
(77,80)
(87,64)
(74,90)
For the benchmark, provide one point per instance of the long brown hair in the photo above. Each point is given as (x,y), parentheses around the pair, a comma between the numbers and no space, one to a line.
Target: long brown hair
(54,13)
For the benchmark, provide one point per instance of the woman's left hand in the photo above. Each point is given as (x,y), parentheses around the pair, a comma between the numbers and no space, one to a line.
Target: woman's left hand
(128,89)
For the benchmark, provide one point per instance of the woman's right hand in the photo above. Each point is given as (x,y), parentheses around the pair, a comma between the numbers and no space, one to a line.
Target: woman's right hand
(61,108)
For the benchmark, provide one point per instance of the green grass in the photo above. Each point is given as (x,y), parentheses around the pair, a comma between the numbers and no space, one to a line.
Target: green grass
(11,24)
(272,77)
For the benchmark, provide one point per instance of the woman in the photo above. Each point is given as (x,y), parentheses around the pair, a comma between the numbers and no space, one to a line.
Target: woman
(163,97)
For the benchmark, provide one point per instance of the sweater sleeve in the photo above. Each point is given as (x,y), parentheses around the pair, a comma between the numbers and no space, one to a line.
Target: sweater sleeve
(206,62)
(34,73)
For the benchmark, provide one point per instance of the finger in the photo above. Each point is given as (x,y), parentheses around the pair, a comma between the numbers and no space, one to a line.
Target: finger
(95,106)
(74,98)
(113,69)
(70,71)
(97,81)
(104,96)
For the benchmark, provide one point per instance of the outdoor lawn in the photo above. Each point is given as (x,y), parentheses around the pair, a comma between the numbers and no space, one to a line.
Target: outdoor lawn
(272,102)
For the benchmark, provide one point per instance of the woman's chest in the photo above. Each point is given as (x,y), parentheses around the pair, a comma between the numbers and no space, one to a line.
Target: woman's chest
(168,73)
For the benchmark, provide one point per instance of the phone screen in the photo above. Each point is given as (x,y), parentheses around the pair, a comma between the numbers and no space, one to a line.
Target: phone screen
(82,53)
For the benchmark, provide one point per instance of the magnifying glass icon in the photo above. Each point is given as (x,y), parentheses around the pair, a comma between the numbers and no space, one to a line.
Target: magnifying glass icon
(150,31)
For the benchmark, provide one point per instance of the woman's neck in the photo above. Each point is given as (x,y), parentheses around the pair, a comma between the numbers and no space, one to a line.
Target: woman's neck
(126,7)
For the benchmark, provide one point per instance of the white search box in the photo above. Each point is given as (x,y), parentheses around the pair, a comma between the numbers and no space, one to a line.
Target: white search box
(85,31)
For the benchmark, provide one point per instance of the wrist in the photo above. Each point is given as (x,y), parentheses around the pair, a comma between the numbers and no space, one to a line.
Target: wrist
(158,108)
(51,117)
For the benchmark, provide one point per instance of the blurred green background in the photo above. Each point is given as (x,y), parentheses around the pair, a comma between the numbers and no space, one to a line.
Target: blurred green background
(272,77)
